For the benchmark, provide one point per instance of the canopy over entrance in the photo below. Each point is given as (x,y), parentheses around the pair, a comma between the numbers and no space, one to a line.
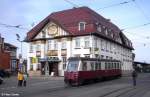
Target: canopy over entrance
(50,59)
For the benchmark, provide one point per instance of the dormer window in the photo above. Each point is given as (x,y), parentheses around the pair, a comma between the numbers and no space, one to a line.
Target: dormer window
(81,26)
(106,32)
(99,28)
(112,35)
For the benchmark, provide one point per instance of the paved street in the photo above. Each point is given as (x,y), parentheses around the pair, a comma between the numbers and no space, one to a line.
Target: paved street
(54,87)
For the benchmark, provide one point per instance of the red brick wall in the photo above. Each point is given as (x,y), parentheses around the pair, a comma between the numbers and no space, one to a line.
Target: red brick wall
(4,60)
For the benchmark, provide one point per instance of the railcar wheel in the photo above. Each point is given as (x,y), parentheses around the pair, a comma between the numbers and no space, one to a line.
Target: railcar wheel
(80,82)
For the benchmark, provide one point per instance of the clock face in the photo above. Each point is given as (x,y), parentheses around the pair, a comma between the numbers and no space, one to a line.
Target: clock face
(52,30)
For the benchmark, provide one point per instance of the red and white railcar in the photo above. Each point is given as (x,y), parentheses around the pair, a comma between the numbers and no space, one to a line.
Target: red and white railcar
(80,69)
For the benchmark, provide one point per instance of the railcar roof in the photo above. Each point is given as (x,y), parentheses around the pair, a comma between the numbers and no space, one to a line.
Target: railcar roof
(92,59)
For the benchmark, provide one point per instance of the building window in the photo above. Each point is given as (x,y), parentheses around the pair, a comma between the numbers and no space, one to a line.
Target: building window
(87,42)
(31,64)
(102,45)
(77,43)
(106,46)
(49,44)
(81,26)
(43,34)
(111,58)
(31,48)
(95,43)
(87,55)
(64,60)
(52,45)
(102,56)
(77,55)
(96,56)
(55,45)
(107,57)
(38,47)
(112,35)
(63,45)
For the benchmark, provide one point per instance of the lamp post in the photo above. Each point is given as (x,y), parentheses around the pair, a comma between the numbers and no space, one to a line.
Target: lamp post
(20,65)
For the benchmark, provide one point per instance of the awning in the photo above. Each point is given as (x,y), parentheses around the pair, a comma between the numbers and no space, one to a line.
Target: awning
(50,59)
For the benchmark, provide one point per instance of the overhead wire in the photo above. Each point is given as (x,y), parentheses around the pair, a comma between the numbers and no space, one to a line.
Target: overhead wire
(13,26)
(117,4)
(141,10)
(73,4)
(134,27)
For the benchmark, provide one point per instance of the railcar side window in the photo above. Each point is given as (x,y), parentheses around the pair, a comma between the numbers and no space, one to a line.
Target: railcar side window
(115,66)
(92,65)
(118,65)
(109,65)
(99,66)
(84,66)
(72,66)
(106,66)
(96,66)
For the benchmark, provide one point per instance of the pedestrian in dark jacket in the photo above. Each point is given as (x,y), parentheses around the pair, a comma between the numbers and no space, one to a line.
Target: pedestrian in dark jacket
(134,76)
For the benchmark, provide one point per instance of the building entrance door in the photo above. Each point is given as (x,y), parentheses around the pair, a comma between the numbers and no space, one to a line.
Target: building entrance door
(53,68)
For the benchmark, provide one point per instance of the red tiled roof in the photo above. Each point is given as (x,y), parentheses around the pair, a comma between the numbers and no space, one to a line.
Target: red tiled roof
(69,19)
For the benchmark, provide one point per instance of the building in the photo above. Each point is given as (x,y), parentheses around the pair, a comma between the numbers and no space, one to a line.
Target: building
(4,57)
(77,32)
(142,66)
(13,56)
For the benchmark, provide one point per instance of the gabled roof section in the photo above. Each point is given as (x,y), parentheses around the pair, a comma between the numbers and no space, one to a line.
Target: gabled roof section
(69,19)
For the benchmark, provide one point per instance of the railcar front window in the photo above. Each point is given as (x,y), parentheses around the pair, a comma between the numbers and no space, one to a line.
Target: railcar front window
(72,66)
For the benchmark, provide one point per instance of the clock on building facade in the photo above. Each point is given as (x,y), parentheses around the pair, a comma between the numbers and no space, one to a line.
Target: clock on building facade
(53,30)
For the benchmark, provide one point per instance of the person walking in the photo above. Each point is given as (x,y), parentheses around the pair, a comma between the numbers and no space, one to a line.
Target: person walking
(20,78)
(25,79)
(134,76)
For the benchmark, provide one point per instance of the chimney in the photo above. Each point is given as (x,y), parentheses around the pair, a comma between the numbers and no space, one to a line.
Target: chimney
(109,20)
(1,44)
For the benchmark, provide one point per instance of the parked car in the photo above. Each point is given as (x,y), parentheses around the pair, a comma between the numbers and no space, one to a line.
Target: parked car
(4,73)
(1,80)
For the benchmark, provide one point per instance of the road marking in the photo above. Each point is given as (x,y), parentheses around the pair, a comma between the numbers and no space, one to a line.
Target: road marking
(8,88)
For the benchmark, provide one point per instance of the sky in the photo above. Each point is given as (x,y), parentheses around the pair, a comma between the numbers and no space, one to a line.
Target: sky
(132,17)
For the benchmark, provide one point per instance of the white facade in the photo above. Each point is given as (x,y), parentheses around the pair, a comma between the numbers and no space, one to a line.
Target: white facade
(45,45)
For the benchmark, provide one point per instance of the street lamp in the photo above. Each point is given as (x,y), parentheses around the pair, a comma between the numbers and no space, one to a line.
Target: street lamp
(20,55)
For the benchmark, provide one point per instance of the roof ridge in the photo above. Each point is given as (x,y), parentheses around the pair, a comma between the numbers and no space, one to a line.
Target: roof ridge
(69,9)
